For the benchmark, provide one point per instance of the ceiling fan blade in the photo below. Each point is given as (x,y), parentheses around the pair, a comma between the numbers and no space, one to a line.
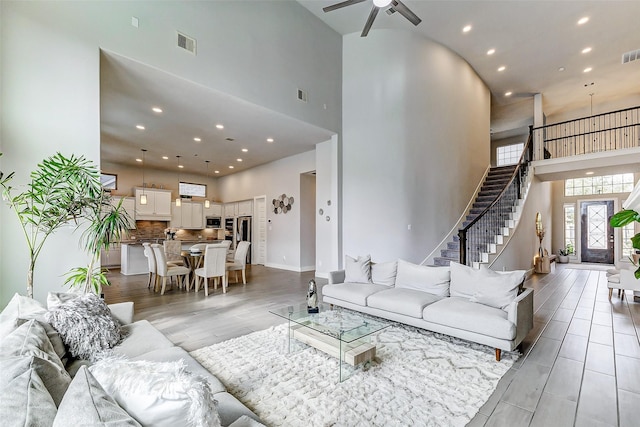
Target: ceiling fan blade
(370,19)
(341,5)
(406,12)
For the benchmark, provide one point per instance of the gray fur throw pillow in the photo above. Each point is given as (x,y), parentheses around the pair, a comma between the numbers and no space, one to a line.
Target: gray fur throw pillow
(86,326)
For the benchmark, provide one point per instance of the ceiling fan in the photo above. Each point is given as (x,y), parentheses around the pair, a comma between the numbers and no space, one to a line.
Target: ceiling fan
(394,6)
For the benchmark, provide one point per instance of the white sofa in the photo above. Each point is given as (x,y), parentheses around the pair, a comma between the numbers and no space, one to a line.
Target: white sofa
(482,306)
(142,342)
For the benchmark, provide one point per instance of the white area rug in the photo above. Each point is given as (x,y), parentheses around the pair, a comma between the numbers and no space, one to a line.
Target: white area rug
(419,378)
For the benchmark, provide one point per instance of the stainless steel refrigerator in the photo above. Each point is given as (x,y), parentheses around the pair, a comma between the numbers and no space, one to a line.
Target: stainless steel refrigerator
(243,233)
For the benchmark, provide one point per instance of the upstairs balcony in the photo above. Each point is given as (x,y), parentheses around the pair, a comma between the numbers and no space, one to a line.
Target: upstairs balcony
(605,143)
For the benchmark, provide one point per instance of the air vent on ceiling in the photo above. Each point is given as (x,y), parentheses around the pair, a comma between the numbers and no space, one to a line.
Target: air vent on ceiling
(302,95)
(187,43)
(630,56)
(230,139)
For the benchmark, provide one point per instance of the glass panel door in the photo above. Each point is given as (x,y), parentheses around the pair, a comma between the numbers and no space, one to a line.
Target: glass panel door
(597,234)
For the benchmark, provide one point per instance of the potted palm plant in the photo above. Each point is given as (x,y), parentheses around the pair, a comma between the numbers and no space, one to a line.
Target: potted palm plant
(63,190)
(629,214)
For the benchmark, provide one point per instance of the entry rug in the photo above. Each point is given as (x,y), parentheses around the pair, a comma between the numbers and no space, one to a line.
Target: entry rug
(418,378)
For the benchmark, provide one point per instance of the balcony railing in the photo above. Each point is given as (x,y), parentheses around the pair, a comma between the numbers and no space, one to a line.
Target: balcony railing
(594,134)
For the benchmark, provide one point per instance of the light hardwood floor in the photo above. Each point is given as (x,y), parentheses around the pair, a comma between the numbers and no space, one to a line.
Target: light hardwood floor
(580,364)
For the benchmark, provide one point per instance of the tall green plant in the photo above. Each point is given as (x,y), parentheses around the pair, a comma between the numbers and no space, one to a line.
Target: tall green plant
(622,218)
(106,223)
(61,190)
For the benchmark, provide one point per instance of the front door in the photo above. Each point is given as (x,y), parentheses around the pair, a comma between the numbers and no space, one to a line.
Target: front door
(597,234)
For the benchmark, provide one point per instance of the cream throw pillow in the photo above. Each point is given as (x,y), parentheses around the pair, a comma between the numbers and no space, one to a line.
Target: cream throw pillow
(357,270)
(158,394)
(384,273)
(485,286)
(434,280)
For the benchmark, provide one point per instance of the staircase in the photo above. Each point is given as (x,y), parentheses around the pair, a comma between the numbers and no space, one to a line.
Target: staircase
(495,182)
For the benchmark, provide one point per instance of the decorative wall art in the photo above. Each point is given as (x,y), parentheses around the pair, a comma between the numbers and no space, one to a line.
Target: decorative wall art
(282,204)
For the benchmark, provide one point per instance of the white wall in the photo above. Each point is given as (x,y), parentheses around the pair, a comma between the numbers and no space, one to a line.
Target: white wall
(259,51)
(307,222)
(415,143)
(328,241)
(274,179)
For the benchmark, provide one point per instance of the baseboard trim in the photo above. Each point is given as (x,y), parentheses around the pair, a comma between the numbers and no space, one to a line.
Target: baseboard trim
(291,267)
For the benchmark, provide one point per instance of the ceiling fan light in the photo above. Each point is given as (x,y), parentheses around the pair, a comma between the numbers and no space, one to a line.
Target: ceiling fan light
(381,3)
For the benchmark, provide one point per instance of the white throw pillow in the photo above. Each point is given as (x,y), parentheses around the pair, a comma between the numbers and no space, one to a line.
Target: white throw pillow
(485,286)
(159,394)
(357,270)
(19,307)
(434,280)
(384,273)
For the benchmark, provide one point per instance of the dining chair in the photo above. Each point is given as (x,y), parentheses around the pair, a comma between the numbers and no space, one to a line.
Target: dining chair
(164,270)
(214,267)
(173,250)
(151,260)
(240,261)
(227,244)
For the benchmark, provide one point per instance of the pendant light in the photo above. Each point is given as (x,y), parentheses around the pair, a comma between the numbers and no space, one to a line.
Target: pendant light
(178,199)
(143,196)
(206,201)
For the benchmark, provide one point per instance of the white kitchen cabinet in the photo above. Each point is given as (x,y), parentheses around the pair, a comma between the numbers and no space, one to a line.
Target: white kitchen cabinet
(214,209)
(129,205)
(230,210)
(158,205)
(187,216)
(111,258)
(245,208)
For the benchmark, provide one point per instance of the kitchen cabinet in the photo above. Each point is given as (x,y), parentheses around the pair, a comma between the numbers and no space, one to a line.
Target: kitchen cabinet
(245,208)
(133,260)
(214,209)
(129,205)
(230,210)
(111,258)
(158,205)
(189,215)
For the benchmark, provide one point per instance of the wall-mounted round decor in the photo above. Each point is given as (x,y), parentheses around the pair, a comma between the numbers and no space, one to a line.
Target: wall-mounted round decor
(320,211)
(328,218)
(282,204)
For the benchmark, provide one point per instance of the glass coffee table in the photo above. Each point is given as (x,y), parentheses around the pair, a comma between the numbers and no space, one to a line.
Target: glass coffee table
(343,334)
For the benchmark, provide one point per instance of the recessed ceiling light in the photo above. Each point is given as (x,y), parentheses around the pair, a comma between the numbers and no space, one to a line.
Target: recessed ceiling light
(491,51)
(157,109)
(508,93)
(466,28)
(181,166)
(244,150)
(220,126)
(196,139)
(586,70)
(269,139)
(583,20)
(502,68)
(586,50)
(139,160)
(216,171)
(589,173)
(165,158)
(230,167)
(561,69)
(239,160)
(140,127)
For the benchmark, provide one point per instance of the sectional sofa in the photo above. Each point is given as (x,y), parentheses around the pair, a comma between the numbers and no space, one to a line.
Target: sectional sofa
(483,306)
(143,380)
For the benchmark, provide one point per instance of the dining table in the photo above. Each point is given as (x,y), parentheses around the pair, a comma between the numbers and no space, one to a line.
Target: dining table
(193,261)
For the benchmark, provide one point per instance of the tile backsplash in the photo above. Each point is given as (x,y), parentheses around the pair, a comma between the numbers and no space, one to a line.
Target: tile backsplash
(155,230)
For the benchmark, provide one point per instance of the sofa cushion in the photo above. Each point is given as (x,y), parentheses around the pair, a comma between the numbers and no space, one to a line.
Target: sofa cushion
(402,301)
(355,293)
(53,376)
(86,326)
(29,339)
(384,273)
(245,421)
(434,280)
(493,288)
(22,308)
(159,394)
(140,338)
(172,354)
(26,402)
(230,409)
(460,313)
(55,299)
(357,270)
(87,404)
